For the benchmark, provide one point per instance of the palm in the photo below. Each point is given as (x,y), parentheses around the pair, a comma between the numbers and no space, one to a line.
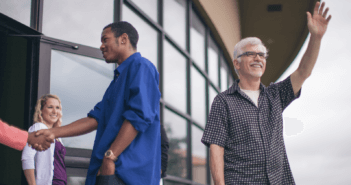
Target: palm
(318,23)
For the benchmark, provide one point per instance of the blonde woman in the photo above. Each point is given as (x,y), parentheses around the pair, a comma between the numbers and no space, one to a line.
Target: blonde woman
(46,167)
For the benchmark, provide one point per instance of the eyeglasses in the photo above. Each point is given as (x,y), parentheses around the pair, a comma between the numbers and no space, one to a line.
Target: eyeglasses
(254,54)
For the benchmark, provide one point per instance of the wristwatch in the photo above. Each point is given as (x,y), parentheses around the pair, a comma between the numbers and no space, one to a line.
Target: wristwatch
(109,154)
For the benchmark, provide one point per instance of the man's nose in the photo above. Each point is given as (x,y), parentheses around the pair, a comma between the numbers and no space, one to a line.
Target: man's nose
(102,47)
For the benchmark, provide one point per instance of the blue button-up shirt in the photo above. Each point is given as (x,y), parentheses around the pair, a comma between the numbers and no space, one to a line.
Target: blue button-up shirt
(132,95)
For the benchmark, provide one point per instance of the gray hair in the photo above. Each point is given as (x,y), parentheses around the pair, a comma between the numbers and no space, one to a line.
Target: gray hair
(238,49)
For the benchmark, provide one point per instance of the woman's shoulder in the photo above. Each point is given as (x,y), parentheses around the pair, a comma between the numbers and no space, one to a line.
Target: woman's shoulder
(37,126)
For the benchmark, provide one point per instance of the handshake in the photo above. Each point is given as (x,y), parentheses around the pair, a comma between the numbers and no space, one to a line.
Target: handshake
(41,139)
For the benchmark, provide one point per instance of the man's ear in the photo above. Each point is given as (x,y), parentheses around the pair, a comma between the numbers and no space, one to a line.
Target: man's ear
(236,64)
(124,38)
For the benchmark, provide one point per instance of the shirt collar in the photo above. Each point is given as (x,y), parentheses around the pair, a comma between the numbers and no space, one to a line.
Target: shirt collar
(235,87)
(126,63)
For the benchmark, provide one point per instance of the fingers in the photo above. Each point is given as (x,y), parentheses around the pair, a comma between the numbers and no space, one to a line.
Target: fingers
(329,17)
(325,12)
(38,133)
(321,8)
(315,11)
(309,16)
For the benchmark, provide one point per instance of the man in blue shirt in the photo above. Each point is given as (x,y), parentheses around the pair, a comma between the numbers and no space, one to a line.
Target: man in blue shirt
(127,146)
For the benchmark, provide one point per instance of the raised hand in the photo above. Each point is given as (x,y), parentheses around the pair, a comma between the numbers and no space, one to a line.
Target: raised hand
(318,23)
(39,143)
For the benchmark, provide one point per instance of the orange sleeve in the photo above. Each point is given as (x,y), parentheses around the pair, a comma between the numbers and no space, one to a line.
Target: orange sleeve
(12,136)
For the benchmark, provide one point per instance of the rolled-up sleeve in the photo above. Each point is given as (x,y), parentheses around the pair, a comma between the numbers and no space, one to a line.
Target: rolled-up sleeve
(216,131)
(12,136)
(97,111)
(143,98)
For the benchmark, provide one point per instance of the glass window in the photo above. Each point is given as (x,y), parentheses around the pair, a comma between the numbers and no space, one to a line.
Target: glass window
(231,81)
(174,74)
(198,156)
(18,10)
(79,21)
(197,41)
(224,75)
(175,127)
(174,20)
(147,44)
(80,82)
(149,7)
(212,94)
(198,97)
(212,61)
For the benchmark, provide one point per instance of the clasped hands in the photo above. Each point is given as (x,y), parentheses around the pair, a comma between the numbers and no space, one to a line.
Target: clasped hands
(41,140)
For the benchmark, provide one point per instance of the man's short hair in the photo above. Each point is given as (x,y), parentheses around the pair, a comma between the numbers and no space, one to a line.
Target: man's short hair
(118,28)
(238,49)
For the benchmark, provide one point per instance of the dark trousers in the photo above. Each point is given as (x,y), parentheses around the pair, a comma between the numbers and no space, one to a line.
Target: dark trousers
(108,180)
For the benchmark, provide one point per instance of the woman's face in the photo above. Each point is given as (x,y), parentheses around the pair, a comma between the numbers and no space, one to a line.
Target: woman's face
(50,112)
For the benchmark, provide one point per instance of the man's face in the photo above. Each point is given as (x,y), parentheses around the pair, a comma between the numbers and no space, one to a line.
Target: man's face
(252,66)
(109,46)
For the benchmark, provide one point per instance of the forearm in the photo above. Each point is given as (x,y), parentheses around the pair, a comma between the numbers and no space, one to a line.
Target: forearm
(79,127)
(29,174)
(125,136)
(217,164)
(307,63)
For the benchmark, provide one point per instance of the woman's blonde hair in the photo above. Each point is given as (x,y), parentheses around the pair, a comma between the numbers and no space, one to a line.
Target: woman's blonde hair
(40,105)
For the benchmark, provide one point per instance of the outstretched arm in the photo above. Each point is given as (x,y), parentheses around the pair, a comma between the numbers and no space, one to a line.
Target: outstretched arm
(77,128)
(317,25)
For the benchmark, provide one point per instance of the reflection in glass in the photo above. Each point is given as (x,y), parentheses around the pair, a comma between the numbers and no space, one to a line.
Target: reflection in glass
(176,132)
(17,9)
(149,7)
(80,82)
(175,19)
(79,21)
(212,94)
(72,180)
(198,155)
(231,81)
(174,68)
(197,41)
(147,44)
(224,75)
(212,61)
(198,97)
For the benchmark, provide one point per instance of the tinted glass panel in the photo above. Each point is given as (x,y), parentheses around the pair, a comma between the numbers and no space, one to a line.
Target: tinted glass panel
(17,9)
(198,97)
(149,7)
(197,41)
(224,75)
(199,155)
(212,61)
(174,77)
(174,20)
(80,82)
(176,132)
(79,21)
(212,95)
(147,44)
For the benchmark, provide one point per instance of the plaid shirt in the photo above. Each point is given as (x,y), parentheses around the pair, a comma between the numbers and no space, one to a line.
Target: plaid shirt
(252,137)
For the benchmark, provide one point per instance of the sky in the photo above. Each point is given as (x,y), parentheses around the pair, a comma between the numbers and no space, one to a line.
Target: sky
(317,125)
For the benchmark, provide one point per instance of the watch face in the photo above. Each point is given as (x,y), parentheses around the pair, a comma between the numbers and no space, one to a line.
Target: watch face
(108,153)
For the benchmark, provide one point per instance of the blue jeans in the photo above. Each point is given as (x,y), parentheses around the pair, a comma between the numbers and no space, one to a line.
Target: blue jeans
(108,180)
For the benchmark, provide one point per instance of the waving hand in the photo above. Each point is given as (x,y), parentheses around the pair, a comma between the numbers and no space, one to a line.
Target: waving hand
(318,23)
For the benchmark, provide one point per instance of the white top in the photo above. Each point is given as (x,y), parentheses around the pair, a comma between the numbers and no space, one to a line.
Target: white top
(42,162)
(253,95)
